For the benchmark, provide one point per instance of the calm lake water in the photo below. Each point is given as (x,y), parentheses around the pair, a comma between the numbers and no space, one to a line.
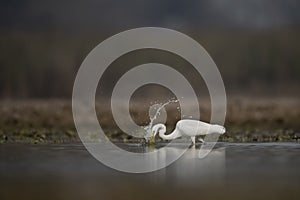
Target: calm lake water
(231,171)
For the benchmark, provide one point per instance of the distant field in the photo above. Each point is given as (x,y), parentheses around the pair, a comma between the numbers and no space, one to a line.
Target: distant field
(266,61)
(248,120)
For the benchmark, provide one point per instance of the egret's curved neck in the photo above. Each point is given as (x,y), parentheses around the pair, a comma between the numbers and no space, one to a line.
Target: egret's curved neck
(171,136)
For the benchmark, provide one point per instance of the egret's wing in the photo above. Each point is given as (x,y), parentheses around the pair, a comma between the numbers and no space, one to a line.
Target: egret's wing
(192,127)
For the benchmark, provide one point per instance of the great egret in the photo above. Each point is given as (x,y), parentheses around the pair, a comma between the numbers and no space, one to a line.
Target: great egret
(187,128)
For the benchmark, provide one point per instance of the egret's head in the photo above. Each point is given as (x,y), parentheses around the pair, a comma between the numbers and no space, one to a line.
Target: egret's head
(154,131)
(158,128)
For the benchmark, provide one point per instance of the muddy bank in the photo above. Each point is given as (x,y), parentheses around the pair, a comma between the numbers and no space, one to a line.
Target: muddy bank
(248,119)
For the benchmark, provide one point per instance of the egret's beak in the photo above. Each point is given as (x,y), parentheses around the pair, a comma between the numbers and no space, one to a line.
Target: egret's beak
(152,139)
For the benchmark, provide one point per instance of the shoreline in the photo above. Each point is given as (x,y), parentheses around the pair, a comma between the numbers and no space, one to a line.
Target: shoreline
(261,119)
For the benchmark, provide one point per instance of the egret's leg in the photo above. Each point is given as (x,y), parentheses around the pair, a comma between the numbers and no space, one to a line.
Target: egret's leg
(193,140)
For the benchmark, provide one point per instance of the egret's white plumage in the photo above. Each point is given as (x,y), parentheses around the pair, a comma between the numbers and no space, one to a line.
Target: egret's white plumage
(188,128)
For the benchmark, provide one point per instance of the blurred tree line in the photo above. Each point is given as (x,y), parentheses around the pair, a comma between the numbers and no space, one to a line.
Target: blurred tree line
(44,64)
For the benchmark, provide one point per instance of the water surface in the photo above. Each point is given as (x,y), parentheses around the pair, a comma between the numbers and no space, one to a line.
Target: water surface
(231,171)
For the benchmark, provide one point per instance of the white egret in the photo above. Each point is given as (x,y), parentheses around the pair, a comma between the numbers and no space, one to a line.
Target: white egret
(187,128)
